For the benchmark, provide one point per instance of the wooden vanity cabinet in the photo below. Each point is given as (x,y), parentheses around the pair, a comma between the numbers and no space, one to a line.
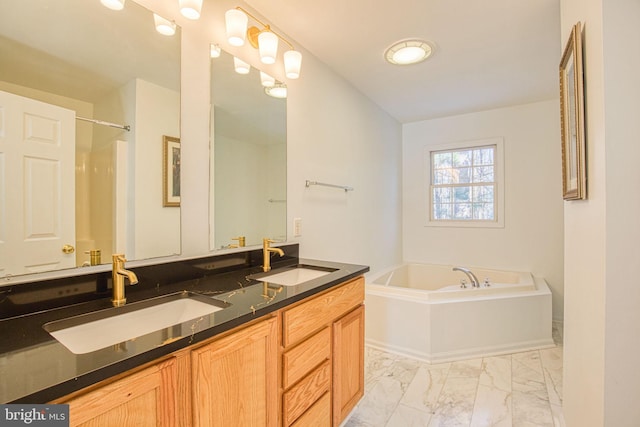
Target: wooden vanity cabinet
(228,381)
(323,335)
(302,366)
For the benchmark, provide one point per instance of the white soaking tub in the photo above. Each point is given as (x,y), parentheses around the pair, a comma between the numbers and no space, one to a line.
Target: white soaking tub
(421,311)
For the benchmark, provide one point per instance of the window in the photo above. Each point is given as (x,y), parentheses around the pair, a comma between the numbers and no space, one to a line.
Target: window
(464,184)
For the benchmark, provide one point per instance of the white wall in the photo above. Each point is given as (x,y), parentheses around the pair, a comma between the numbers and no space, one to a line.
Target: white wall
(585,240)
(622,327)
(241,208)
(334,134)
(602,333)
(531,239)
(156,227)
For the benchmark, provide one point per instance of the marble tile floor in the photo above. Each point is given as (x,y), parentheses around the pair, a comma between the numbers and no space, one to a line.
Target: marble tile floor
(517,390)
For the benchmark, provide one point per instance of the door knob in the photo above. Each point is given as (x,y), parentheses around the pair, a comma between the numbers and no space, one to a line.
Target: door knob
(68,249)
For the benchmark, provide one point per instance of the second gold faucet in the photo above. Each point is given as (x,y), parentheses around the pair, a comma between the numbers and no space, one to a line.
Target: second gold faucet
(266,253)
(118,275)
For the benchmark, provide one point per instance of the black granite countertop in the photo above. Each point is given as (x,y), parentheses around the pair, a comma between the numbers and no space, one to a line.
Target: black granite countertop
(36,368)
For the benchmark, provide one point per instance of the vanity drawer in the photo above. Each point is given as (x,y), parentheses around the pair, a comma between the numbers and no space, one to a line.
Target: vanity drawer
(306,318)
(305,356)
(304,394)
(319,415)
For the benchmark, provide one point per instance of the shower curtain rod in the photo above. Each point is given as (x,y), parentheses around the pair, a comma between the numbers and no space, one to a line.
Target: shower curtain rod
(101,122)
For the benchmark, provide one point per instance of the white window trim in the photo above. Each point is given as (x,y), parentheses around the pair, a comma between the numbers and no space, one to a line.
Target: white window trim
(498,222)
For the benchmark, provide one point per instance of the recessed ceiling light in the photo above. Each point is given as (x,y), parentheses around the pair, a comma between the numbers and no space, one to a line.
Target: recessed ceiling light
(113,4)
(278,90)
(407,52)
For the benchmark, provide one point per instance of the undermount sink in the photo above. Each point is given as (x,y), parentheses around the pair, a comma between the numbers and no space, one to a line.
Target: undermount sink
(94,331)
(294,276)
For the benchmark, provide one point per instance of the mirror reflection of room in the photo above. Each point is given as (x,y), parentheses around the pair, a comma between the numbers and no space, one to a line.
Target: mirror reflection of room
(114,80)
(249,144)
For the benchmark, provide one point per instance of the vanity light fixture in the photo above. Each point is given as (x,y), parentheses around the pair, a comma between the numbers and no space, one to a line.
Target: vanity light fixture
(265,40)
(278,90)
(267,80)
(190,8)
(215,51)
(164,26)
(113,4)
(406,52)
(240,66)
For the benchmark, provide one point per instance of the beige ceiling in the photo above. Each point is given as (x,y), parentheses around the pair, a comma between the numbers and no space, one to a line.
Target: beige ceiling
(488,53)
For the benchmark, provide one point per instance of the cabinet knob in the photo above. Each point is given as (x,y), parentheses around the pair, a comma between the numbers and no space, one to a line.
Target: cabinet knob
(68,249)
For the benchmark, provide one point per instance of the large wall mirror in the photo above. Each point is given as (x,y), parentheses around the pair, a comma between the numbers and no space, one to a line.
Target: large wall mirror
(69,186)
(248,158)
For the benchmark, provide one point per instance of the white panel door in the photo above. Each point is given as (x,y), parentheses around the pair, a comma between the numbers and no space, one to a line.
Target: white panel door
(37,185)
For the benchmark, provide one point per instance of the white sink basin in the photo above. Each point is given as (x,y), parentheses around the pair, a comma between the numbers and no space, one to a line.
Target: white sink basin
(294,276)
(84,334)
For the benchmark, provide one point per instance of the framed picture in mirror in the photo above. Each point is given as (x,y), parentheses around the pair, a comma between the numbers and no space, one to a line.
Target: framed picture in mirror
(170,171)
(574,177)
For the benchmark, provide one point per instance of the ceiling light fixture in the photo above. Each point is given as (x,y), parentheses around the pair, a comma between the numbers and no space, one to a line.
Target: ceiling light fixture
(240,66)
(266,80)
(265,40)
(190,8)
(215,51)
(408,52)
(113,4)
(278,90)
(164,26)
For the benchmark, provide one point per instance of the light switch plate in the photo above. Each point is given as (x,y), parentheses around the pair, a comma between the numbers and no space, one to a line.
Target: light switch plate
(297,227)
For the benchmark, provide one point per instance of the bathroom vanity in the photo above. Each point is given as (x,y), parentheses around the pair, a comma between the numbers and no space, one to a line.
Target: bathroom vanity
(274,354)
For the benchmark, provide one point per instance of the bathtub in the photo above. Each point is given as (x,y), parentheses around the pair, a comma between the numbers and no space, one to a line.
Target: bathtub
(421,311)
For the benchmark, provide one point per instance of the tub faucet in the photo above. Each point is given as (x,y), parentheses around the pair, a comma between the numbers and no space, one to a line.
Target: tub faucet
(266,253)
(119,273)
(472,277)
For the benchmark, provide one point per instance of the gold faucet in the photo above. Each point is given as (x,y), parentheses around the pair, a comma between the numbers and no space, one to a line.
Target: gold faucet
(119,273)
(94,255)
(241,242)
(266,253)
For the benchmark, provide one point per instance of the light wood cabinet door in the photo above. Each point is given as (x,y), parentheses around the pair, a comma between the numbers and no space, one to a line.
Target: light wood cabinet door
(348,363)
(145,398)
(235,380)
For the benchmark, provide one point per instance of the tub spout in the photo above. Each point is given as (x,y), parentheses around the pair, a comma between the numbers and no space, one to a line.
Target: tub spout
(472,277)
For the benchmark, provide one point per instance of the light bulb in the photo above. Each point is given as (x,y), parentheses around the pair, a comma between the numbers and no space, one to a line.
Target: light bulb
(164,26)
(268,46)
(236,23)
(240,66)
(215,51)
(292,63)
(191,8)
(113,4)
(266,79)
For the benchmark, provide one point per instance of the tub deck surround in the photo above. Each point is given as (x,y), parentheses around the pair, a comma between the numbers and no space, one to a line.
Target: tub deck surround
(36,368)
(420,310)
